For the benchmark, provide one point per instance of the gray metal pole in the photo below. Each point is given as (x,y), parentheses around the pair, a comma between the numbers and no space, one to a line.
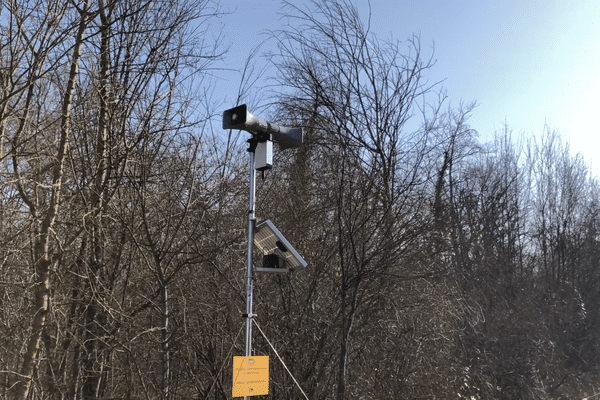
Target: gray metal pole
(249,272)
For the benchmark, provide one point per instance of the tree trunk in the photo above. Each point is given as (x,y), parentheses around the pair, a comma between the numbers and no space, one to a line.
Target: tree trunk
(43,259)
(166,355)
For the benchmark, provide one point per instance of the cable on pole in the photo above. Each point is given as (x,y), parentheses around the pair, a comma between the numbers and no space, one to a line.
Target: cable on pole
(224,362)
(282,363)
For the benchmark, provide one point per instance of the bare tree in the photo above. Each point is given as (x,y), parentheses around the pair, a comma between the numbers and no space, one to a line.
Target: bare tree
(85,87)
(356,95)
(39,171)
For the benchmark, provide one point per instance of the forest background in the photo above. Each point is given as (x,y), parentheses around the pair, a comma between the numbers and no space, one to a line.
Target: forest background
(439,266)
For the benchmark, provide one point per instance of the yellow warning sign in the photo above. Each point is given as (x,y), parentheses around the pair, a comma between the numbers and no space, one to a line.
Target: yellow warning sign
(250,376)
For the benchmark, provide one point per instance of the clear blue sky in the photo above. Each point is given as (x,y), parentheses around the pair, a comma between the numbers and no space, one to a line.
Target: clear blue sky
(525,62)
